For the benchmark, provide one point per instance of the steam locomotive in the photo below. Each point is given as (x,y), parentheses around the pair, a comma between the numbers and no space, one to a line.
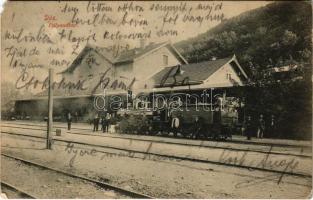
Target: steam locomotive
(217,124)
(218,119)
(214,124)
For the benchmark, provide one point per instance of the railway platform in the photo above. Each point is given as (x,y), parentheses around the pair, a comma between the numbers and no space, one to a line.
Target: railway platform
(166,147)
(87,129)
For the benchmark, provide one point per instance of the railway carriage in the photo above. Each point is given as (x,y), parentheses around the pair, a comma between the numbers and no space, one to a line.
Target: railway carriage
(163,125)
(215,124)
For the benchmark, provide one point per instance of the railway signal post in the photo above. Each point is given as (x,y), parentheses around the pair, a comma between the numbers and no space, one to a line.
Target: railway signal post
(50,109)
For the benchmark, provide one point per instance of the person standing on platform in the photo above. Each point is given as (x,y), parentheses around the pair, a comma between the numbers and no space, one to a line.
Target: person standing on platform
(96,123)
(217,122)
(198,123)
(175,125)
(108,119)
(261,127)
(69,121)
(248,128)
(104,124)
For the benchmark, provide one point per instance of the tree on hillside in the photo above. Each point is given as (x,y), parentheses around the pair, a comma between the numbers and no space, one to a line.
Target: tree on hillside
(276,35)
(8,96)
(265,36)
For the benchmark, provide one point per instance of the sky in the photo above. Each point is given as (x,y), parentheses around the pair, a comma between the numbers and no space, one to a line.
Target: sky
(30,16)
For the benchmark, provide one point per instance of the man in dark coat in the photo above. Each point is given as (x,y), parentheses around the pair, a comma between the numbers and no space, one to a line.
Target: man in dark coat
(261,127)
(96,123)
(248,128)
(217,122)
(104,124)
(198,123)
(69,120)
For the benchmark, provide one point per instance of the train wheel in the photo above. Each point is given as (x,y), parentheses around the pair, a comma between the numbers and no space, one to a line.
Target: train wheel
(153,132)
(215,137)
(175,134)
(186,134)
(165,133)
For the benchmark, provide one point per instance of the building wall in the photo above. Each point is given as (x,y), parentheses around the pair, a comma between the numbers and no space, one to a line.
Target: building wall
(151,63)
(92,72)
(81,107)
(220,78)
(141,69)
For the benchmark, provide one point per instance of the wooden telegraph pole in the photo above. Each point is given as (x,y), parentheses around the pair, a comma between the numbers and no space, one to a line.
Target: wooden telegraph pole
(50,109)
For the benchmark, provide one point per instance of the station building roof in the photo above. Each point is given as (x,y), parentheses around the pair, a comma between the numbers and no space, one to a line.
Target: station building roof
(196,73)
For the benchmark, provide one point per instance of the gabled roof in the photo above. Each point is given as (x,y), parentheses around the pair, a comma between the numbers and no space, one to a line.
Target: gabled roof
(133,54)
(125,56)
(104,53)
(130,55)
(196,72)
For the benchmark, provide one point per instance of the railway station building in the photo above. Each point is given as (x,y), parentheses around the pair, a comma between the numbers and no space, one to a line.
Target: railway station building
(98,68)
(153,68)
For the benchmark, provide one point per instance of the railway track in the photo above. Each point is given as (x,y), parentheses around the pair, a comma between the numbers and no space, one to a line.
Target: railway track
(101,184)
(179,157)
(18,191)
(165,142)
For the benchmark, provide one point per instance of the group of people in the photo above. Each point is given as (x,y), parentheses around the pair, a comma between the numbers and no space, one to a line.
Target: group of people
(176,123)
(104,120)
(261,126)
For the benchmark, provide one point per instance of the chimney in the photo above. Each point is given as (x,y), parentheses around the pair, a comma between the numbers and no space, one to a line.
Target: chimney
(142,43)
(179,70)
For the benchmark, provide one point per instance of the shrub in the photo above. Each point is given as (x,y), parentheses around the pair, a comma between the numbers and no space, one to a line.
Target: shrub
(133,124)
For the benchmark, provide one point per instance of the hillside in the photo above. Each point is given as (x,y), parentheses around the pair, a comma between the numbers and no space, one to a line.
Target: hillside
(268,36)
(274,35)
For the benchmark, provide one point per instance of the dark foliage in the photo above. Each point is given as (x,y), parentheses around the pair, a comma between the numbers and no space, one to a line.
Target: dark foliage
(276,35)
(264,37)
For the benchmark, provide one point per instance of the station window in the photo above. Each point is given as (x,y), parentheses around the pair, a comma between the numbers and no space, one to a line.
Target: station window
(165,59)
